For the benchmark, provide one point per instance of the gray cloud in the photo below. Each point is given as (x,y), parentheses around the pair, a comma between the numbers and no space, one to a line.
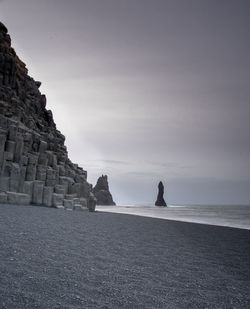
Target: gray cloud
(116,162)
(145,92)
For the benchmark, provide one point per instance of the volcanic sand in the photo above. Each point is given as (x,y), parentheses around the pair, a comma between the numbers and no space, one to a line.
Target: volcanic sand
(52,258)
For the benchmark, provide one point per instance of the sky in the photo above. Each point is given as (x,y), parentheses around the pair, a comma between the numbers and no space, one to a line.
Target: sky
(146,90)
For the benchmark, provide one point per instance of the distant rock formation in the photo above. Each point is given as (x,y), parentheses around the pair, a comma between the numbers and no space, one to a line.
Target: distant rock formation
(34,164)
(160,199)
(101,191)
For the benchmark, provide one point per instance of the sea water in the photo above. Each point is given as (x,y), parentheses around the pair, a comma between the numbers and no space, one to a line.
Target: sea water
(237,216)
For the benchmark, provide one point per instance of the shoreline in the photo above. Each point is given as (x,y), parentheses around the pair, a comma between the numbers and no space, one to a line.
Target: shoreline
(221,215)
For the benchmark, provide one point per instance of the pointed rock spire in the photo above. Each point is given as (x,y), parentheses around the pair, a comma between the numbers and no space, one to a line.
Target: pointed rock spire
(160,199)
(101,191)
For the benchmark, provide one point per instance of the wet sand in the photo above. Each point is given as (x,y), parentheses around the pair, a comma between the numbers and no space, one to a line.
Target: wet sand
(62,259)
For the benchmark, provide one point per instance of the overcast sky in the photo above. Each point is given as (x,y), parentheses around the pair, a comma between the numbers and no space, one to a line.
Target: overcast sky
(146,90)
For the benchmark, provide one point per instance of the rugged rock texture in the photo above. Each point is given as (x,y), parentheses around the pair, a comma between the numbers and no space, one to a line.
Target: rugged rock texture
(101,191)
(160,199)
(34,164)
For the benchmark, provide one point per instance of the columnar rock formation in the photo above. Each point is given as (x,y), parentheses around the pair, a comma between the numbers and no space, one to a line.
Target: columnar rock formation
(160,199)
(34,164)
(101,191)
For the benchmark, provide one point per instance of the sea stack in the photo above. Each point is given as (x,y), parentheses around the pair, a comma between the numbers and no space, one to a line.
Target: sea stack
(101,191)
(34,163)
(160,199)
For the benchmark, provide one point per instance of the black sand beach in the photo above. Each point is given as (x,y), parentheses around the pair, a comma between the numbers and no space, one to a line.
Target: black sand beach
(61,259)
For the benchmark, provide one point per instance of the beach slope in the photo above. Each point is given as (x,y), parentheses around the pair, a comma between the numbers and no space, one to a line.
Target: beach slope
(52,258)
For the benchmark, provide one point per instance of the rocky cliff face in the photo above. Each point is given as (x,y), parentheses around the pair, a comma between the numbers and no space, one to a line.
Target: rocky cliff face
(34,164)
(101,191)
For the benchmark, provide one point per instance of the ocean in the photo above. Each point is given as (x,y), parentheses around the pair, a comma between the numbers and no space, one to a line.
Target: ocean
(237,216)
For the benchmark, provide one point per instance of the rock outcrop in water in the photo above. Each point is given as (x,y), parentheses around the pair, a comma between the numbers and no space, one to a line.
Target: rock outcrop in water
(34,164)
(160,199)
(101,191)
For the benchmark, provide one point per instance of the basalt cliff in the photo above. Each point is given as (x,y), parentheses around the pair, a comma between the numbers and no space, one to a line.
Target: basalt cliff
(34,164)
